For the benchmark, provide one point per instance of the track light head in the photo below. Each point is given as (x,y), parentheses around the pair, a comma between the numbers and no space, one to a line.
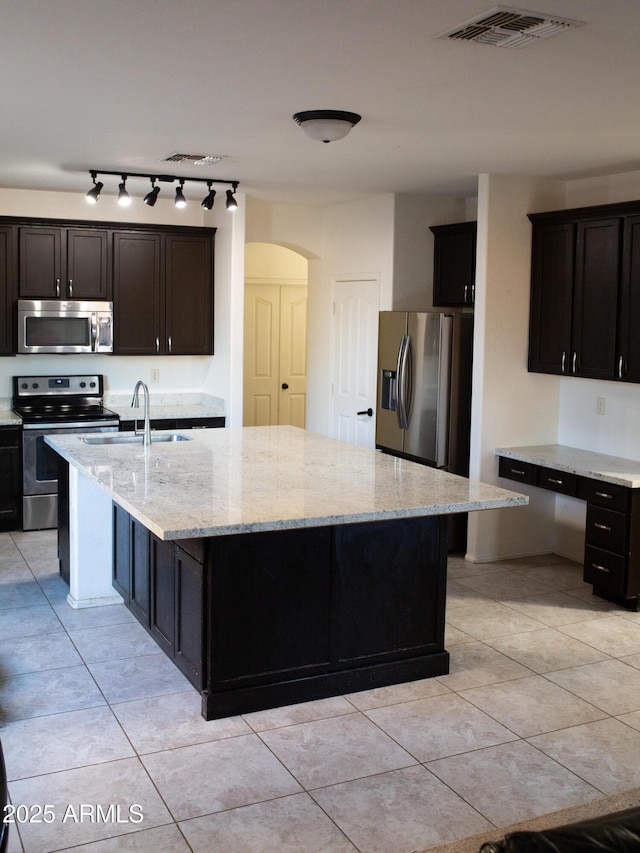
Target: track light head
(207,201)
(94,193)
(180,199)
(152,196)
(232,204)
(124,199)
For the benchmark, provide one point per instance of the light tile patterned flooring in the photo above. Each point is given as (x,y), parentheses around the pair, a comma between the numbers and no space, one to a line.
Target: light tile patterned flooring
(541,711)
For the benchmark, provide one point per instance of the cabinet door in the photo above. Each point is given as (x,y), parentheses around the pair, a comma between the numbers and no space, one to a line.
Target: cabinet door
(7,287)
(189,637)
(552,263)
(41,263)
(189,295)
(454,264)
(10,479)
(627,365)
(122,552)
(140,573)
(163,608)
(88,264)
(595,299)
(136,294)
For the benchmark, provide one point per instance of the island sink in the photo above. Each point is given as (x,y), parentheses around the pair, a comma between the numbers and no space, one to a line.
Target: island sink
(133,438)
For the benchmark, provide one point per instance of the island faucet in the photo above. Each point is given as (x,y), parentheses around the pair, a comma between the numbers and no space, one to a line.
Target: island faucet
(134,403)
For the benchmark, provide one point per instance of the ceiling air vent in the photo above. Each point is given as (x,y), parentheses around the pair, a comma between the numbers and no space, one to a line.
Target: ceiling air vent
(506,27)
(196,159)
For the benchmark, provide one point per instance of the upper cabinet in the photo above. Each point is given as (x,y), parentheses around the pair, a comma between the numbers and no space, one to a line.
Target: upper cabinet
(163,293)
(64,263)
(454,264)
(585,292)
(7,288)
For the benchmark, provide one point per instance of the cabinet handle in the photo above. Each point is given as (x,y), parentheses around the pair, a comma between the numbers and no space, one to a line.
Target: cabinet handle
(564,359)
(620,364)
(517,471)
(466,293)
(573,362)
(169,342)
(70,287)
(602,526)
(600,568)
(604,495)
(157,344)
(552,480)
(58,287)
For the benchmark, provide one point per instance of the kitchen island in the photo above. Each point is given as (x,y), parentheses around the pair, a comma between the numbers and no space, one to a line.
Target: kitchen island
(274,565)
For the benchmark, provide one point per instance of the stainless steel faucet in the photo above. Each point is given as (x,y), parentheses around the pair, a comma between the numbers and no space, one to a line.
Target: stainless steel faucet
(134,404)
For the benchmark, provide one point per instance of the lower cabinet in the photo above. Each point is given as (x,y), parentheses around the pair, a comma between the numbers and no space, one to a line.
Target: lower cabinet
(162,584)
(612,533)
(175,423)
(10,478)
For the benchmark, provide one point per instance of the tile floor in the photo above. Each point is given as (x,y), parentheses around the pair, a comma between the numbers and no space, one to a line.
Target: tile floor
(541,711)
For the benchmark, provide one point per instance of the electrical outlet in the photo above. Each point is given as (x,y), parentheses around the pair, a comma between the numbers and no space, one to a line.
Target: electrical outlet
(155,375)
(601,405)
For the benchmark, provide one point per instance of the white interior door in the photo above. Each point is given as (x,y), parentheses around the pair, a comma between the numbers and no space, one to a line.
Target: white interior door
(275,343)
(354,367)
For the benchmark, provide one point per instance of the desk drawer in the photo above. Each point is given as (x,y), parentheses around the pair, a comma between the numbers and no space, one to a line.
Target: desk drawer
(607,529)
(604,494)
(557,481)
(513,469)
(606,571)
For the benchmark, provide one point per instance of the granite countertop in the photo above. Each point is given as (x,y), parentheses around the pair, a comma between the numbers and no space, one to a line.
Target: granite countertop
(585,463)
(168,406)
(8,417)
(243,480)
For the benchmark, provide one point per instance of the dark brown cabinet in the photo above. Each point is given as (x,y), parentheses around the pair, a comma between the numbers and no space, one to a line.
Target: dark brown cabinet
(64,263)
(454,264)
(163,293)
(8,246)
(10,478)
(585,292)
(162,583)
(175,423)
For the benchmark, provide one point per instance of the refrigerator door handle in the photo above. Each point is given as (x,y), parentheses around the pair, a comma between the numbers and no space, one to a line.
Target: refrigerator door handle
(405,379)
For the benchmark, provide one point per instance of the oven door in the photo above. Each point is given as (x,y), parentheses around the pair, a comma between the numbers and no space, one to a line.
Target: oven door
(40,475)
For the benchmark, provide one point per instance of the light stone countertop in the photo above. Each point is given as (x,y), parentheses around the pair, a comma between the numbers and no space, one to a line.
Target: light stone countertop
(168,406)
(9,418)
(244,480)
(585,463)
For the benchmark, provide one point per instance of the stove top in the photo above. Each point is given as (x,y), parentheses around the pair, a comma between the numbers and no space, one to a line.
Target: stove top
(59,400)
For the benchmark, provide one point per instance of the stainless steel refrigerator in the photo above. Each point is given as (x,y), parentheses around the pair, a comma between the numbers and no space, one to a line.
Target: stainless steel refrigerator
(424,389)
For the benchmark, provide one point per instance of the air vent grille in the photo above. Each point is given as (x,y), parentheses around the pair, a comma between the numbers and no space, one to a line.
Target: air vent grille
(196,159)
(513,28)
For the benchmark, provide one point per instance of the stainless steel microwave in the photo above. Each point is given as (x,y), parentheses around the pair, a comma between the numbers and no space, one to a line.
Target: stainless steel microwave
(64,326)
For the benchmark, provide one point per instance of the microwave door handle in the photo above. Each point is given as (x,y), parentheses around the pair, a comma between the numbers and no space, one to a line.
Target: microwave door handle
(94,331)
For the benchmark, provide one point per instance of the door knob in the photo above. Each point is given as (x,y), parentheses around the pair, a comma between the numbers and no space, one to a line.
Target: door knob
(368,411)
(284,386)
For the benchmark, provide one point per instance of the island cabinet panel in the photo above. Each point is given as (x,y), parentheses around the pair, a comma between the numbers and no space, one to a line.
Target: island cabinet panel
(304,614)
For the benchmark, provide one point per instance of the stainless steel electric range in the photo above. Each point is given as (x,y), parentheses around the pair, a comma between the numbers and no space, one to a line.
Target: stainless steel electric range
(48,405)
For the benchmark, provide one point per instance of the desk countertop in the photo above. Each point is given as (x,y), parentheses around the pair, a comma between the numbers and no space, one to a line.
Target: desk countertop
(585,463)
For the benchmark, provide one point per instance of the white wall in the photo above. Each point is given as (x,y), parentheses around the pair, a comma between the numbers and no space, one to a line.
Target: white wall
(215,375)
(509,406)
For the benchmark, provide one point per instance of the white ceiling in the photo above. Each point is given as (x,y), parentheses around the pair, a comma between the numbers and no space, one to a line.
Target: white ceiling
(120,84)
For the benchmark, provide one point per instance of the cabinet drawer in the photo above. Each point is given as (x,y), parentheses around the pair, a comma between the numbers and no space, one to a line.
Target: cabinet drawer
(513,469)
(604,494)
(606,571)
(557,481)
(9,437)
(607,529)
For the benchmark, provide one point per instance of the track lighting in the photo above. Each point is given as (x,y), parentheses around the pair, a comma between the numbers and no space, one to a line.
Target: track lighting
(180,199)
(232,204)
(152,196)
(207,201)
(124,199)
(94,193)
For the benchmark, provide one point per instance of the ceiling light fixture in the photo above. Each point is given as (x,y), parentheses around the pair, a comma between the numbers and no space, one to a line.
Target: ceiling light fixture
(326,125)
(151,197)
(180,199)
(207,201)
(94,193)
(124,199)
(232,204)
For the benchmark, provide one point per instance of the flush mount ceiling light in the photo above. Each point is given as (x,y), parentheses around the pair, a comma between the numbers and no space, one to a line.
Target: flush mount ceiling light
(326,125)
(150,198)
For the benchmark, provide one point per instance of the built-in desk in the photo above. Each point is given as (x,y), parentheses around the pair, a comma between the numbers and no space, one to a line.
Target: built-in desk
(611,487)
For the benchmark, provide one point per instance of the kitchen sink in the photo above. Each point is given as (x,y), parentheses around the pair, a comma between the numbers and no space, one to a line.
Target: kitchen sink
(133,438)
